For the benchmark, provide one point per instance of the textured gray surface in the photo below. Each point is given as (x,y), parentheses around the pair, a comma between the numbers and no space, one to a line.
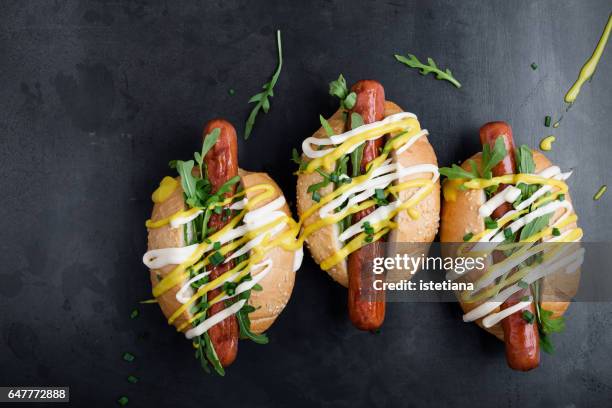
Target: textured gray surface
(97,96)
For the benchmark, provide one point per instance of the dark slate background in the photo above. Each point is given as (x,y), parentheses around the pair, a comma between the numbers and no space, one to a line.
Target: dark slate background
(96,98)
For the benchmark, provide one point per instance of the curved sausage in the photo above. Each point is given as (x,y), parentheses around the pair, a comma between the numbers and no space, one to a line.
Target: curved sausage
(221,165)
(366,306)
(521,338)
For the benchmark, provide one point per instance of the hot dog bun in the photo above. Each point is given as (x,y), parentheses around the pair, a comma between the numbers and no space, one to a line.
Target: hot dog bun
(324,242)
(277,285)
(461,216)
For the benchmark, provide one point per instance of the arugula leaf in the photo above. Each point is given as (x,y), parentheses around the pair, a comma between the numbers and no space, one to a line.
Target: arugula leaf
(261,99)
(339,89)
(546,344)
(430,67)
(356,120)
(244,322)
(457,172)
(188,182)
(356,157)
(549,324)
(326,126)
(524,160)
(491,158)
(534,226)
(210,140)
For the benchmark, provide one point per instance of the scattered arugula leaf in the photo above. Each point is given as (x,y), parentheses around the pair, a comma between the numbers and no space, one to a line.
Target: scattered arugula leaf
(431,67)
(261,99)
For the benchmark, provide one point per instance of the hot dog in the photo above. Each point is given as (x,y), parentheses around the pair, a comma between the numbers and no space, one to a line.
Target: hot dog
(344,249)
(366,307)
(208,249)
(221,165)
(521,338)
(492,213)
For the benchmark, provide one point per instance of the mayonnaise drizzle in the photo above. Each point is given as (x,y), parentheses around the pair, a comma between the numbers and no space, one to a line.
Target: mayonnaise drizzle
(264,223)
(569,260)
(338,139)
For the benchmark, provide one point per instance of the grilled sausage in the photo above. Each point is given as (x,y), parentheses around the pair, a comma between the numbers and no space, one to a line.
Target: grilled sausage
(521,338)
(366,306)
(221,165)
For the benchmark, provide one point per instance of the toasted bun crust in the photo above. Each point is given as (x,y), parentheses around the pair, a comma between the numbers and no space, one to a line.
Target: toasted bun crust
(324,242)
(461,216)
(277,285)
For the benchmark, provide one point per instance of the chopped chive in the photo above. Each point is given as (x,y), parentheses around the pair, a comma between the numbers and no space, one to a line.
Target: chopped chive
(316,196)
(525,299)
(507,233)
(468,236)
(547,120)
(523,284)
(600,192)
(132,379)
(534,66)
(128,357)
(217,246)
(556,232)
(380,193)
(561,197)
(216,258)
(123,401)
(490,223)
(231,91)
(134,314)
(528,316)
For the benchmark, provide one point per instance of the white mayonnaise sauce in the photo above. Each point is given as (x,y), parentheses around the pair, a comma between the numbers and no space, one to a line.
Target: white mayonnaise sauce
(339,139)
(568,260)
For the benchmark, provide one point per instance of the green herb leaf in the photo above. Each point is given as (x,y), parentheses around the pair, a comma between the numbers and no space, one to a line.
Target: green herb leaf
(356,157)
(534,226)
(524,160)
(528,316)
(546,344)
(431,67)
(326,126)
(523,284)
(338,88)
(216,258)
(129,357)
(350,100)
(245,325)
(356,120)
(549,324)
(491,158)
(468,236)
(457,172)
(490,223)
(209,141)
(188,181)
(261,99)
